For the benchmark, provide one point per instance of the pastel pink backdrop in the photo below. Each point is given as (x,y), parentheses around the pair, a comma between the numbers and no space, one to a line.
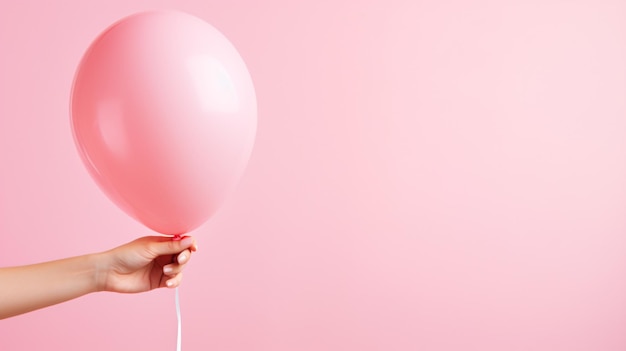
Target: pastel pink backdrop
(427,175)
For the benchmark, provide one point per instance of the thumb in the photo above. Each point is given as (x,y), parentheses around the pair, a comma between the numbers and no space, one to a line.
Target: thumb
(167,246)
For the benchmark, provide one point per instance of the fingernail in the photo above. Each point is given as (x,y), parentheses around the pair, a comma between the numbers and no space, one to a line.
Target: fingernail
(186,241)
(167,269)
(182,258)
(170,283)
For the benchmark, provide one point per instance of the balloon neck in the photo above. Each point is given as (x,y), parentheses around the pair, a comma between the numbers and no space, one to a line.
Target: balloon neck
(177,237)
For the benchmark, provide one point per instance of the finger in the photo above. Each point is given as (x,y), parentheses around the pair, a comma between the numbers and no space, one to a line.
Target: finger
(171,270)
(174,268)
(174,281)
(167,246)
(183,257)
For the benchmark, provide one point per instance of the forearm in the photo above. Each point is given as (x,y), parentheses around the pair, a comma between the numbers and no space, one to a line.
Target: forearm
(27,288)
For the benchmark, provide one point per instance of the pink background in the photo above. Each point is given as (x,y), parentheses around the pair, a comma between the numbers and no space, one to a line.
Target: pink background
(428,175)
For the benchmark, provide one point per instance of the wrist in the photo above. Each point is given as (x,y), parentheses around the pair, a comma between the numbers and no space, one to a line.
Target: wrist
(101,270)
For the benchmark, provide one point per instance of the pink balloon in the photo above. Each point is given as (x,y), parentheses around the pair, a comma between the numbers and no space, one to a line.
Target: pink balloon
(163,112)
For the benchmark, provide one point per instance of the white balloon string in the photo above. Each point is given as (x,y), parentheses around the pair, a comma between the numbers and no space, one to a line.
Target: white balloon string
(178,339)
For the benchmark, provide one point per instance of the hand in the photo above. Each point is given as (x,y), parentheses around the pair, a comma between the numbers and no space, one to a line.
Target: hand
(144,264)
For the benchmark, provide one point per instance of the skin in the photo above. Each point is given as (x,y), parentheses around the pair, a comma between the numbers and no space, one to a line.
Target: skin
(141,265)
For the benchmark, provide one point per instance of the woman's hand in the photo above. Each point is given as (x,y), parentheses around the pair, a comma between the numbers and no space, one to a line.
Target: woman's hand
(141,265)
(144,264)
